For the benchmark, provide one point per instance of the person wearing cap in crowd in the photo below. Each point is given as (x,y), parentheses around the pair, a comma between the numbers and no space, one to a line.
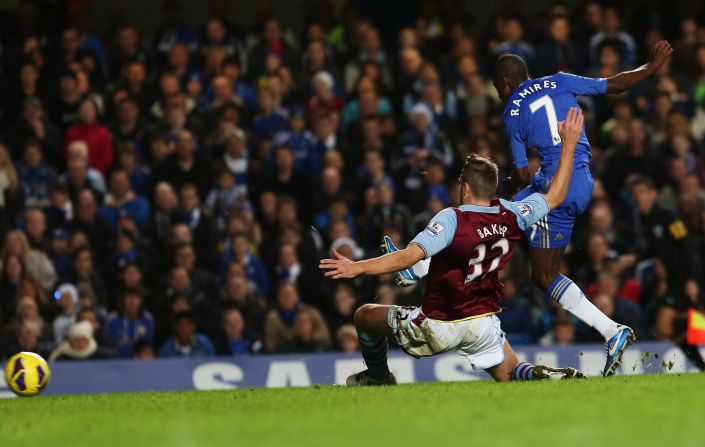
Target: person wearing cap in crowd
(79,344)
(66,297)
(323,98)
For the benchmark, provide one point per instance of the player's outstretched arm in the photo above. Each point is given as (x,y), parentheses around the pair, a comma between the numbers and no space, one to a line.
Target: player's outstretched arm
(342,267)
(570,131)
(660,53)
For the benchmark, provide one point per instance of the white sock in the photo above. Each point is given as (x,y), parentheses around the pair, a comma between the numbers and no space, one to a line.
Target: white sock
(572,299)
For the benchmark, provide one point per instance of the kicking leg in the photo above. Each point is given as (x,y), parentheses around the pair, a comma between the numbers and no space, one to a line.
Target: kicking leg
(372,332)
(545,263)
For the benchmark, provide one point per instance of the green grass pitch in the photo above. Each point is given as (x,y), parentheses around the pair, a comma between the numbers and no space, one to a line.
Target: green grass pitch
(658,410)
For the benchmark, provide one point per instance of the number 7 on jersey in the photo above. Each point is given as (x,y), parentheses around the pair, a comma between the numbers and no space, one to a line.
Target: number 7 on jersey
(546,103)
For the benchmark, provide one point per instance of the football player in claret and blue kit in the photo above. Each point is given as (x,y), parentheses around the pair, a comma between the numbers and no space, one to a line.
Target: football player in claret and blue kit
(531,115)
(467,247)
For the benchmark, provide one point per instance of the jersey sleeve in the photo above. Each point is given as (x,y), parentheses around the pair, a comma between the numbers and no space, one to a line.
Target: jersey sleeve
(518,147)
(517,143)
(580,85)
(438,234)
(529,210)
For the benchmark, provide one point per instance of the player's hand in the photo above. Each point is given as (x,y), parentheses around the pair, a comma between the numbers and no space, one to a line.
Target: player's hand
(660,54)
(571,128)
(340,267)
(692,290)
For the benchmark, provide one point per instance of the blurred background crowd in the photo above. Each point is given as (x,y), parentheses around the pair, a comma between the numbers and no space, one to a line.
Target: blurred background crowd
(170,193)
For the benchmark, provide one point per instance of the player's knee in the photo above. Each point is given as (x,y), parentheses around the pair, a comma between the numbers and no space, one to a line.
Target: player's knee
(362,313)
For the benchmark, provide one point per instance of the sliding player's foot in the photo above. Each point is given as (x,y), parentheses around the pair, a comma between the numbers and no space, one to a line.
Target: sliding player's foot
(406,277)
(616,347)
(363,378)
(542,372)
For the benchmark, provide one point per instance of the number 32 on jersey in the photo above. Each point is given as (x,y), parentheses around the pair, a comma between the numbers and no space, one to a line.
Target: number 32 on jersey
(476,264)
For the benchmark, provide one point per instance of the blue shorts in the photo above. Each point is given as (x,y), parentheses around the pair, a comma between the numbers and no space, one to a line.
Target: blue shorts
(554,230)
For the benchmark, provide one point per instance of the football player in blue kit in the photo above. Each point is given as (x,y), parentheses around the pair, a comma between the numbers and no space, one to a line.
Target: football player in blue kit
(534,107)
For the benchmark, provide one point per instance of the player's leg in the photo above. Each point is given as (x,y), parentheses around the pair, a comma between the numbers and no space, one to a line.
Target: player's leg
(545,263)
(371,322)
(511,369)
(545,274)
(548,240)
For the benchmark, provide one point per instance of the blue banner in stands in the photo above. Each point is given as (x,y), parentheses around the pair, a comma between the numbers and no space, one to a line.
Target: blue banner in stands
(304,370)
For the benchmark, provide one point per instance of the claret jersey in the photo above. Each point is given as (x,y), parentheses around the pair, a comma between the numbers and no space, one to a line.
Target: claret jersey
(468,246)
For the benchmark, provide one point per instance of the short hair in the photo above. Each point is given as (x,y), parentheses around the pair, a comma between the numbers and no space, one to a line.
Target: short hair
(637,180)
(510,66)
(133,291)
(178,317)
(481,174)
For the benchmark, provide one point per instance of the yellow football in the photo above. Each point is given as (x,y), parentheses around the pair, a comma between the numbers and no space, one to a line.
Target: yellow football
(27,374)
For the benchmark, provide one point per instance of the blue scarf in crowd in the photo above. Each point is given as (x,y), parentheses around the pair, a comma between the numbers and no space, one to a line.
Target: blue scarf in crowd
(288,316)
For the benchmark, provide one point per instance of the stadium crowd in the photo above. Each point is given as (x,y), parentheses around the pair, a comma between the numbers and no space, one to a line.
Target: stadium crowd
(171,194)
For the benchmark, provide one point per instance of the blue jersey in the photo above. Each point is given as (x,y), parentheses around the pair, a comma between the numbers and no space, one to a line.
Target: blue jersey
(532,114)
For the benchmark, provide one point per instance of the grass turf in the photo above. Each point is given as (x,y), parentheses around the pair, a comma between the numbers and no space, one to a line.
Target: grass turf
(656,410)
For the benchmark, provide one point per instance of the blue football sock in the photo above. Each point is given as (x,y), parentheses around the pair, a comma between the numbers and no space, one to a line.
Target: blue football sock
(374,351)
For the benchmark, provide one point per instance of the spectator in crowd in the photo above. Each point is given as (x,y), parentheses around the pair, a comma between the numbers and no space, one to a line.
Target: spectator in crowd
(612,29)
(36,262)
(35,174)
(27,337)
(304,335)
(79,344)
(122,200)
(10,191)
(186,342)
(346,338)
(665,238)
(561,334)
(34,124)
(106,348)
(66,296)
(184,165)
(559,52)
(514,42)
(279,325)
(94,134)
(131,324)
(233,341)
(241,294)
